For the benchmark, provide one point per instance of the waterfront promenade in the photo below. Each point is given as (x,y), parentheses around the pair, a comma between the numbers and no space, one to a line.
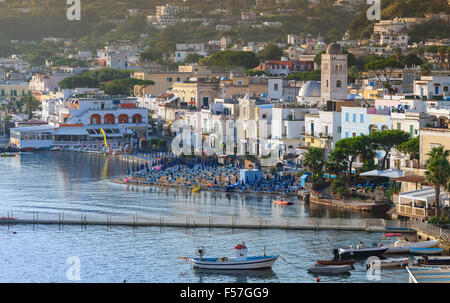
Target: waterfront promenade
(188,221)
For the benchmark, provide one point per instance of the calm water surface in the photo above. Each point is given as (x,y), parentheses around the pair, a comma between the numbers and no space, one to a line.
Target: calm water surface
(63,181)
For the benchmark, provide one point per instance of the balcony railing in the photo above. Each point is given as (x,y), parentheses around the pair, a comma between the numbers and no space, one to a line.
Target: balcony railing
(414,212)
(431,229)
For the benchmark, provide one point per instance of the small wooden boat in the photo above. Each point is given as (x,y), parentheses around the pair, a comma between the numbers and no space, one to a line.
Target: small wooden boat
(329,269)
(359,252)
(8,218)
(241,261)
(390,263)
(426,251)
(7,155)
(336,262)
(282,202)
(436,260)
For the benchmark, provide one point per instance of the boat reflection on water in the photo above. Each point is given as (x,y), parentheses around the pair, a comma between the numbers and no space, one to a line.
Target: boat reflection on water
(241,276)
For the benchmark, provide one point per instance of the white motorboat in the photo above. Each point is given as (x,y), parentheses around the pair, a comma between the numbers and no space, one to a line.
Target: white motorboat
(329,269)
(241,261)
(361,251)
(402,246)
(390,263)
(426,251)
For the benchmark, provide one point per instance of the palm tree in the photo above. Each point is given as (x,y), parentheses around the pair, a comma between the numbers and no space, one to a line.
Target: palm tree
(31,104)
(438,172)
(336,162)
(315,161)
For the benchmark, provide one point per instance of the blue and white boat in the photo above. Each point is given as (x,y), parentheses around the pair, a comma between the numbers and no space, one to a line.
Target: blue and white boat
(241,261)
(426,251)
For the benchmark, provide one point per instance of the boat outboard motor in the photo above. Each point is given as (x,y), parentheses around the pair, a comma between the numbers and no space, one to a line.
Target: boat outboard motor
(201,251)
(336,254)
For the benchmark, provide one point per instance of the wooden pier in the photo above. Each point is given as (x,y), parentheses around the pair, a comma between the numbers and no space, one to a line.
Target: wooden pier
(188,221)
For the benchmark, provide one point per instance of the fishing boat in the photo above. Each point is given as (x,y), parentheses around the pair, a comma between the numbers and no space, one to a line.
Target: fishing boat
(361,251)
(336,262)
(329,269)
(240,262)
(282,202)
(403,246)
(196,189)
(436,260)
(389,263)
(426,251)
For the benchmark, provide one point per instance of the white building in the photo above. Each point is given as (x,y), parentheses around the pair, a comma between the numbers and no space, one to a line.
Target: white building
(184,50)
(82,122)
(46,83)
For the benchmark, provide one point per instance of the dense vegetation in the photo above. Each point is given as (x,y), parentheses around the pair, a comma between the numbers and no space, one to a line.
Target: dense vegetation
(361,27)
(112,81)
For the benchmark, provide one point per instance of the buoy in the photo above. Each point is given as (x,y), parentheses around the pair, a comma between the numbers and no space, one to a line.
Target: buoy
(318,280)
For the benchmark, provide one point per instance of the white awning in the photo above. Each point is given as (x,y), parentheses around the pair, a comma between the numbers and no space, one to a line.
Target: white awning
(426,195)
(392,173)
(372,173)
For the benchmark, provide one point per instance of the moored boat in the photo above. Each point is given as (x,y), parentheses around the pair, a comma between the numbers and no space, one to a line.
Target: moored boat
(240,262)
(359,252)
(390,263)
(196,189)
(282,202)
(425,251)
(329,269)
(436,260)
(336,262)
(403,246)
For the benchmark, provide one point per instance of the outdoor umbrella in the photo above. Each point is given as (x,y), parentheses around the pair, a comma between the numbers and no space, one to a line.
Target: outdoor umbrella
(372,173)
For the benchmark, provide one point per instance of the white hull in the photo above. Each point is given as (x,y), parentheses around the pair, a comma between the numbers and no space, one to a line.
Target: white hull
(405,249)
(244,264)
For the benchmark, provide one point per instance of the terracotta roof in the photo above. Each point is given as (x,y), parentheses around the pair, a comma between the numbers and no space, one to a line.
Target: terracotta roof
(413,179)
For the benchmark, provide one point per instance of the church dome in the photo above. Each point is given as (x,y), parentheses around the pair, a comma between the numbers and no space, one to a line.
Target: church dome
(310,89)
(334,49)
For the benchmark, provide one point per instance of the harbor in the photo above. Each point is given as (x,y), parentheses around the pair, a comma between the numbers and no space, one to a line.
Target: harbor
(85,205)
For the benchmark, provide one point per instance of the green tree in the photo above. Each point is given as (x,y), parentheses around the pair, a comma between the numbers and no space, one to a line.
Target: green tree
(270,52)
(411,148)
(438,172)
(314,162)
(339,188)
(336,162)
(411,60)
(31,104)
(123,87)
(352,148)
(387,139)
(79,82)
(384,68)
(192,58)
(231,58)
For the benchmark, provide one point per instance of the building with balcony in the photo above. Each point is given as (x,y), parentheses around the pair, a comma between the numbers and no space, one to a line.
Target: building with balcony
(80,121)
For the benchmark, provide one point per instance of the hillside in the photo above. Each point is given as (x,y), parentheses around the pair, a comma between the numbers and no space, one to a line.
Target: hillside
(362,28)
(112,20)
